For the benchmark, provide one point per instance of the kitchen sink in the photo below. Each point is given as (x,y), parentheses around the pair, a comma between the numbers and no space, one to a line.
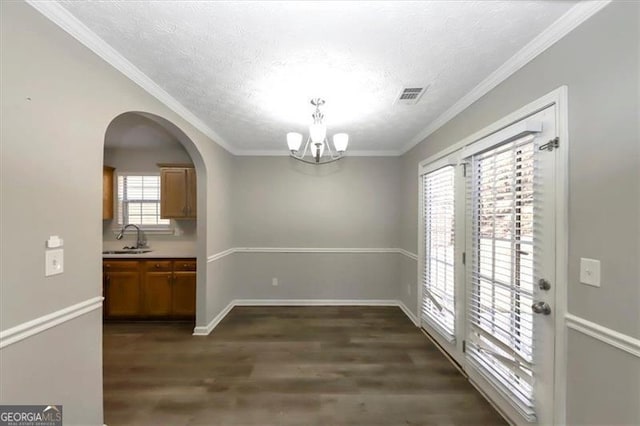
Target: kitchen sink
(127,251)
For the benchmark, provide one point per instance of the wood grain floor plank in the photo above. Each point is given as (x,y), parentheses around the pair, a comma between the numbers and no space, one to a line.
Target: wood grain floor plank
(264,366)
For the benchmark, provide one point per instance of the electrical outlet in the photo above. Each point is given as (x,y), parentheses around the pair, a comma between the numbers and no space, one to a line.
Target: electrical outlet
(274,282)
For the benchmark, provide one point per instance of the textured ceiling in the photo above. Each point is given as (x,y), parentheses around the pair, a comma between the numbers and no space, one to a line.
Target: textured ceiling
(249,69)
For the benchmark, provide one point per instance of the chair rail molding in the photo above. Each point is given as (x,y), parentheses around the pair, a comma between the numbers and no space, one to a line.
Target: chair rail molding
(604,334)
(45,322)
(347,250)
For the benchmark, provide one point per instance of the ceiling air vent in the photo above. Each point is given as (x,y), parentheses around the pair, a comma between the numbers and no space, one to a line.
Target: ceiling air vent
(411,95)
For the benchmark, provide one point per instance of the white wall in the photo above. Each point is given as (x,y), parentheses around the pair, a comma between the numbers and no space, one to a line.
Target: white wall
(599,62)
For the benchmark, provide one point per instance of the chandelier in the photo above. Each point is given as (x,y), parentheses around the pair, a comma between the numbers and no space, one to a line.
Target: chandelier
(317,150)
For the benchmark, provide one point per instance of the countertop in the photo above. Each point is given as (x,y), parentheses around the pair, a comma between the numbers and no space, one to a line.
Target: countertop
(159,250)
(150,255)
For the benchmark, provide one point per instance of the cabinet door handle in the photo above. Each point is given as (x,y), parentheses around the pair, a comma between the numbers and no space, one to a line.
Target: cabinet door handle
(157,265)
(185,265)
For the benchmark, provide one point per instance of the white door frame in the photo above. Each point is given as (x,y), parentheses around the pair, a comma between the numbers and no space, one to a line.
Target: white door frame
(559,98)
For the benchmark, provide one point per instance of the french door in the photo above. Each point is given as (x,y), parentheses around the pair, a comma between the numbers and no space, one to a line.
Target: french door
(488,263)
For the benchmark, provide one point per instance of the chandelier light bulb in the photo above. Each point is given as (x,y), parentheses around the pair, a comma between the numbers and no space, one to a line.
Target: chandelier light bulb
(318,132)
(294,140)
(340,141)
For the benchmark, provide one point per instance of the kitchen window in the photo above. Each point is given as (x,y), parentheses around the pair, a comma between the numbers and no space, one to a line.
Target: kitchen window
(139,201)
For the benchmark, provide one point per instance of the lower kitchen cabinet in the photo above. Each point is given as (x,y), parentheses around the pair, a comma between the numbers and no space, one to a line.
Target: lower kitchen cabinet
(184,289)
(149,289)
(121,285)
(157,285)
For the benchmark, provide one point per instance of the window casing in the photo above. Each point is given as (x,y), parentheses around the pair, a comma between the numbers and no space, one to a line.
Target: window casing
(139,201)
(438,274)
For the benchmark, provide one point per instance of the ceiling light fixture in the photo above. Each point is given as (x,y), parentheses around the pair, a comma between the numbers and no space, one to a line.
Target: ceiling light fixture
(317,150)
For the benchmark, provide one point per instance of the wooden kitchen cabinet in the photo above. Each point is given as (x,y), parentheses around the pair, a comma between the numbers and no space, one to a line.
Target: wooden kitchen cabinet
(121,291)
(184,289)
(107,192)
(177,192)
(149,289)
(157,285)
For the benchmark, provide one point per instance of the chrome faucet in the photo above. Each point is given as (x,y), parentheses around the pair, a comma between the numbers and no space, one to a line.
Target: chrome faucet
(141,241)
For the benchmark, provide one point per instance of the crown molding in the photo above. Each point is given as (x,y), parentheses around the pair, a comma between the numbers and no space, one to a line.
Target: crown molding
(72,25)
(560,28)
(556,31)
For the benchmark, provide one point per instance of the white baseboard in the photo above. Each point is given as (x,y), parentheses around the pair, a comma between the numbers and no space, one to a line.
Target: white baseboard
(408,313)
(315,302)
(206,330)
(45,322)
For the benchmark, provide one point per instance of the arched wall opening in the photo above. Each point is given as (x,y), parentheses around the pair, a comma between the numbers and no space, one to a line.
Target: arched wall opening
(178,136)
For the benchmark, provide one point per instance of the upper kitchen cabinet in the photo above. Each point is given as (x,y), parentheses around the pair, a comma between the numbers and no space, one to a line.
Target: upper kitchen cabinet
(177,191)
(107,192)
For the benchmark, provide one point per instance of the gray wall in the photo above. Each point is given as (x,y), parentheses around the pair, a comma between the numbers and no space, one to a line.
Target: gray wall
(280,202)
(143,160)
(51,183)
(317,276)
(599,62)
(60,366)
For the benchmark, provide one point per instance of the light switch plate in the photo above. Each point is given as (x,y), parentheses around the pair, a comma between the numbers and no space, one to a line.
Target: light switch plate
(54,262)
(590,272)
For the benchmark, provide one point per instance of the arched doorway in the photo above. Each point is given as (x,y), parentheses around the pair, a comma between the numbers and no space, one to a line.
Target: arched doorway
(146,131)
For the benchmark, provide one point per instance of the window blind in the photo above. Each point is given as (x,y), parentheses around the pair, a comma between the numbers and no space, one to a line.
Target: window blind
(438,291)
(139,200)
(501,200)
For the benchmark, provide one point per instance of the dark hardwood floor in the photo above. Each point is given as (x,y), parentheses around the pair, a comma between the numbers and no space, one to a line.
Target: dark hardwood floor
(286,366)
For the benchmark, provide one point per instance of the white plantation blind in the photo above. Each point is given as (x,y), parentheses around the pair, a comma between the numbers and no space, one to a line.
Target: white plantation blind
(502,193)
(139,201)
(438,291)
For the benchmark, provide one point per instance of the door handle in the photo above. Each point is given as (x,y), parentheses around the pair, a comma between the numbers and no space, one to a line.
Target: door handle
(541,308)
